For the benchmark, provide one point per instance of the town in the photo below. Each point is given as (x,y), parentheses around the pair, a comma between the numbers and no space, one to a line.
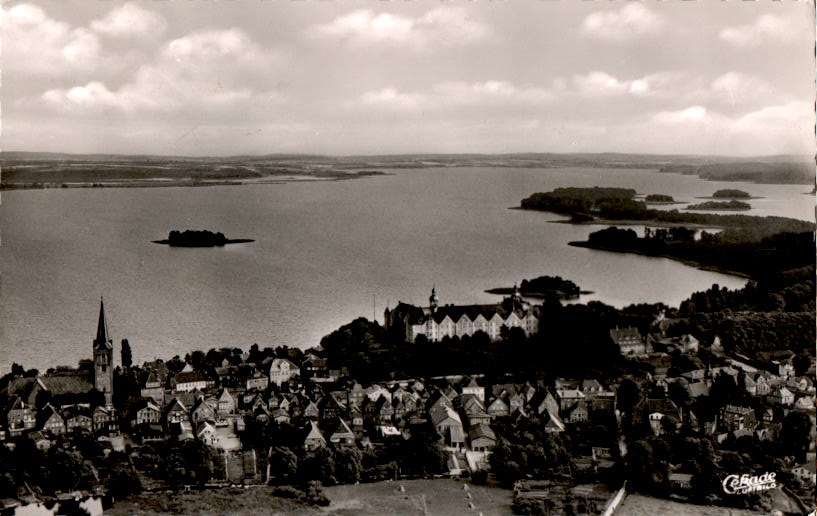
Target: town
(693,415)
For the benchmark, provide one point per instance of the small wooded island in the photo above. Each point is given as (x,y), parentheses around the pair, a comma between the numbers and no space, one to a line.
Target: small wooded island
(732,205)
(730,194)
(203,238)
(544,287)
(659,199)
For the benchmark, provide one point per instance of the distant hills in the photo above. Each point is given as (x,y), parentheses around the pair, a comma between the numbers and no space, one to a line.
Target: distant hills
(45,169)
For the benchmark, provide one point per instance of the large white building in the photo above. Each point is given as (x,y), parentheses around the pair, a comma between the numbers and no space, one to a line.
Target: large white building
(437,322)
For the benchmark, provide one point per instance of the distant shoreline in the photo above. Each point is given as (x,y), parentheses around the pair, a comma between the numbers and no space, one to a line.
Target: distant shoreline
(163,182)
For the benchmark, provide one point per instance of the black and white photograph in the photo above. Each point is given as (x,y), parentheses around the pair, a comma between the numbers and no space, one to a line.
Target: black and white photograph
(426,257)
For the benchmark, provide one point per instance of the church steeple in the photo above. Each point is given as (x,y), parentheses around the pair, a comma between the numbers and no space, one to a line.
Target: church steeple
(103,357)
(102,336)
(433,301)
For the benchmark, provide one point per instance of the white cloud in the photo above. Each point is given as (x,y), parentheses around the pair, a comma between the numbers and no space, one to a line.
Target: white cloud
(767,28)
(490,92)
(454,94)
(130,20)
(630,22)
(200,72)
(690,114)
(34,43)
(391,98)
(444,25)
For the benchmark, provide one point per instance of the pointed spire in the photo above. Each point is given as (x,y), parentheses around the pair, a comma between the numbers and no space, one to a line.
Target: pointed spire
(102,336)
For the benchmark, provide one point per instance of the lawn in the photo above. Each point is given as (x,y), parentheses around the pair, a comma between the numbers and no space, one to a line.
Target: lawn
(638,505)
(440,497)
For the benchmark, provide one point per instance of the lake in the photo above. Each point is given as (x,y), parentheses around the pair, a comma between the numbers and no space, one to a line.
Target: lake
(325,252)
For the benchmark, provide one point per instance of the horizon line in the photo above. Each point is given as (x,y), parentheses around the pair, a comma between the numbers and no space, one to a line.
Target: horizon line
(410,154)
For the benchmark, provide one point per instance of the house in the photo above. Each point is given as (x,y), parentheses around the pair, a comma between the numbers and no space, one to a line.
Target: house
(680,481)
(629,341)
(282,370)
(482,437)
(175,413)
(780,396)
(311,411)
(568,398)
(449,425)
(147,413)
(315,368)
(50,421)
(207,433)
(498,408)
(257,381)
(736,418)
(314,438)
(473,388)
(20,417)
(355,395)
(226,403)
(153,387)
(105,420)
(191,380)
(202,411)
(590,387)
(79,420)
(330,409)
(343,435)
(578,414)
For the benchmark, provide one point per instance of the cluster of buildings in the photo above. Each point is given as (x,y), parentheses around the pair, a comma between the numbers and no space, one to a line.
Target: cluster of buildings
(766,392)
(217,404)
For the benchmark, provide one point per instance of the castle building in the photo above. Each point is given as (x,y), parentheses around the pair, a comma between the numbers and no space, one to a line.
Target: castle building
(103,358)
(437,322)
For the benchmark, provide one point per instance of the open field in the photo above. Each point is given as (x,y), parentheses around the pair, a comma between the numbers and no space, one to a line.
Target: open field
(442,497)
(639,505)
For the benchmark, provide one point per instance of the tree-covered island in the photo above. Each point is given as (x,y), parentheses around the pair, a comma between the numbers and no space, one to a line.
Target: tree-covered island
(544,287)
(731,205)
(202,238)
(659,199)
(730,193)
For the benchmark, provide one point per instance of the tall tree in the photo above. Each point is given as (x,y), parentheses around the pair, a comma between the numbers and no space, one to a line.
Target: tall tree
(127,354)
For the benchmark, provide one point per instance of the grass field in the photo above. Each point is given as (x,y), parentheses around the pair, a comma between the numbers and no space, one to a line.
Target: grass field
(440,497)
(638,505)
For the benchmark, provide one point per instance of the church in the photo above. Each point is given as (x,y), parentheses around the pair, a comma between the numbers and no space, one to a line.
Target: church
(437,322)
(103,358)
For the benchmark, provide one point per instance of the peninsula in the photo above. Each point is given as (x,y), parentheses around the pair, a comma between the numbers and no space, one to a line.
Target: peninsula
(204,238)
(731,205)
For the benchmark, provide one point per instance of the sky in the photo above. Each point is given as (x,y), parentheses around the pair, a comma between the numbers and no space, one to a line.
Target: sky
(209,77)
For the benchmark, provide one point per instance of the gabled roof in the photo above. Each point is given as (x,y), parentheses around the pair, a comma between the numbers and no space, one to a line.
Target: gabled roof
(482,430)
(59,384)
(314,433)
(342,431)
(554,422)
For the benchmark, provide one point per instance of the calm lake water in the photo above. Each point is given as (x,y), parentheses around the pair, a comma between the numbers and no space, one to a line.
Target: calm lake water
(325,253)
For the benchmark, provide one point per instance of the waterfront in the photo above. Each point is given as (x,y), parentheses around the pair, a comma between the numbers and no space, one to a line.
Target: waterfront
(325,253)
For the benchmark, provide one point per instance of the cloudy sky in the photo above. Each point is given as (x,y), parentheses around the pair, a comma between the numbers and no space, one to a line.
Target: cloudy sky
(199,77)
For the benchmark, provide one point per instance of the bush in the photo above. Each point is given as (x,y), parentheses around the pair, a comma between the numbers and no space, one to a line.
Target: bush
(479,477)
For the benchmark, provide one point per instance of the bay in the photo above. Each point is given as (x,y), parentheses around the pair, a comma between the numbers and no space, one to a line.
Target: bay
(325,252)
